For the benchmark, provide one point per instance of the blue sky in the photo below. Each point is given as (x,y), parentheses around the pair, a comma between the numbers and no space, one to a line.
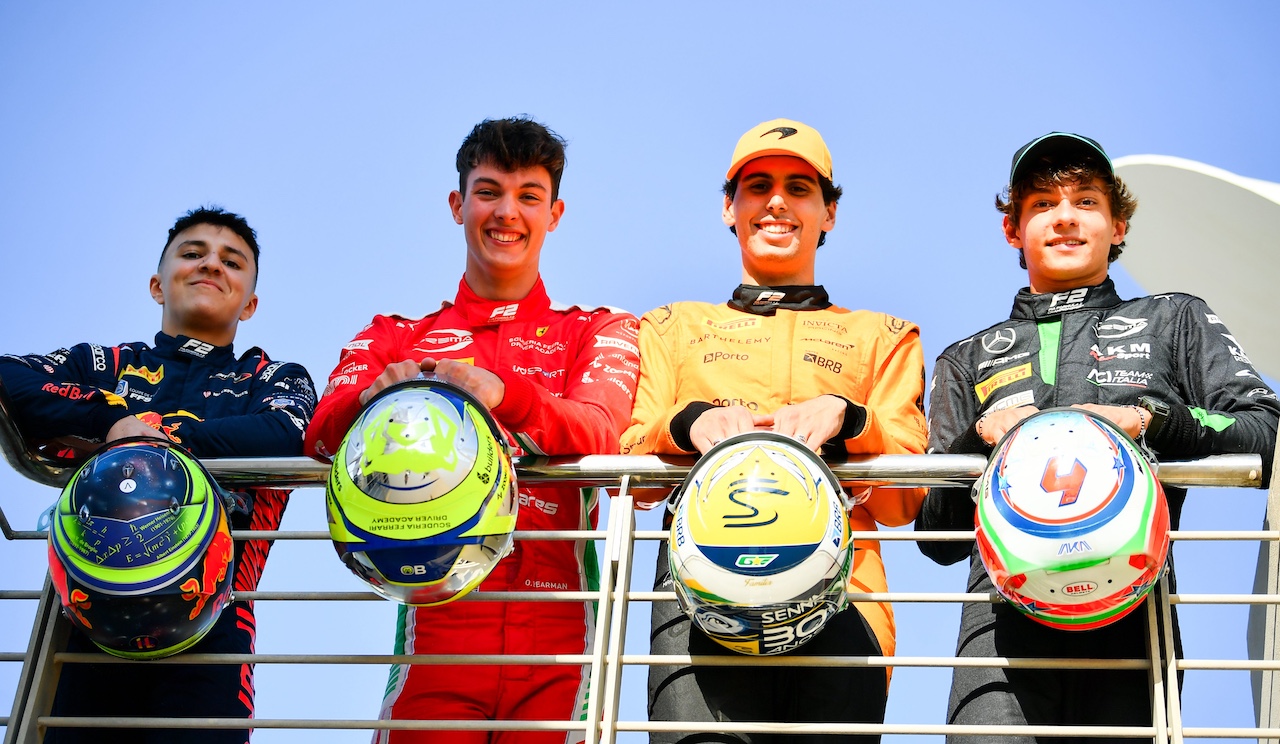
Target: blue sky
(333,128)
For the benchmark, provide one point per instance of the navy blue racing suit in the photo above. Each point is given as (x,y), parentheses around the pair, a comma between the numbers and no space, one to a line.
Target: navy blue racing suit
(204,398)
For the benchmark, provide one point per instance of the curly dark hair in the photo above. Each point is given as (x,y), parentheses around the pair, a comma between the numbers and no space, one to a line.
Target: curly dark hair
(1123,202)
(215,215)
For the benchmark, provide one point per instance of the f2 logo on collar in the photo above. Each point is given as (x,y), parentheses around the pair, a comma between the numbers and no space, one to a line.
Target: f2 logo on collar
(1073,297)
(196,347)
(766,297)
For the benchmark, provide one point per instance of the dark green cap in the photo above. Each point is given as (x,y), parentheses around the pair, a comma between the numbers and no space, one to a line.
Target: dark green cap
(1056,147)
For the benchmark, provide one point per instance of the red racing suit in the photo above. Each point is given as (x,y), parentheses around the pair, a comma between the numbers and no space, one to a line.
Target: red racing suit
(570,375)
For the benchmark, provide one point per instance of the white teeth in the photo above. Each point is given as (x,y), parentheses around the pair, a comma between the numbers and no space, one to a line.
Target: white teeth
(504,236)
(776,229)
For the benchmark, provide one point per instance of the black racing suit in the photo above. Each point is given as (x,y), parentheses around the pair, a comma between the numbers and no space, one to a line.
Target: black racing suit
(1082,346)
(204,398)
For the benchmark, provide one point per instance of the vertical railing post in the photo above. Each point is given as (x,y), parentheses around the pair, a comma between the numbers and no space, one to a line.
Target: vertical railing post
(599,644)
(1264,619)
(1172,689)
(619,564)
(1155,671)
(40,672)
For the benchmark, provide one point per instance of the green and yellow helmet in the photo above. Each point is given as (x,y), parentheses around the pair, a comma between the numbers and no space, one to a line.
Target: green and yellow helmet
(422,494)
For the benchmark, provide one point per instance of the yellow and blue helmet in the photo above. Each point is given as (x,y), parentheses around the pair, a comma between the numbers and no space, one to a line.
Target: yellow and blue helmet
(759,546)
(422,494)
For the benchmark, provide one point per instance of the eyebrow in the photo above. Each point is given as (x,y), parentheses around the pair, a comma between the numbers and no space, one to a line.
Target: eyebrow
(790,177)
(205,245)
(494,182)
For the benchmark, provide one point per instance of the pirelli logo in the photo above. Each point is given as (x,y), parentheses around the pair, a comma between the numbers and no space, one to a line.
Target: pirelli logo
(732,325)
(988,386)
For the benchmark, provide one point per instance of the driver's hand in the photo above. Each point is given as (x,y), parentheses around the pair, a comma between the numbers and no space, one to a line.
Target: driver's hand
(480,382)
(394,373)
(995,424)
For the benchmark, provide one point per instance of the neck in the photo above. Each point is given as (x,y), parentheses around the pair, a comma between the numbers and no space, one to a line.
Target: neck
(501,288)
(770,279)
(217,337)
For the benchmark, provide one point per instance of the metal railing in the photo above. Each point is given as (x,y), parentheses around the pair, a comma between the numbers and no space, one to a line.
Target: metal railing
(608,658)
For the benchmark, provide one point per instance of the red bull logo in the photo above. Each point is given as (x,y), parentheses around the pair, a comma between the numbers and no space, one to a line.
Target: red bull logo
(212,570)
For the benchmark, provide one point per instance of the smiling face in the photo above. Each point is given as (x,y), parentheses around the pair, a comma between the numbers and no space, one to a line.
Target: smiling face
(505,216)
(1065,232)
(205,284)
(778,214)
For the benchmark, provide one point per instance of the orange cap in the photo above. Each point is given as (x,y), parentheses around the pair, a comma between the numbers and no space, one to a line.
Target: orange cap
(782,137)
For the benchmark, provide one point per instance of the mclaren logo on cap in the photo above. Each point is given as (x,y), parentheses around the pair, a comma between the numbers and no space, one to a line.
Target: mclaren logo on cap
(784,131)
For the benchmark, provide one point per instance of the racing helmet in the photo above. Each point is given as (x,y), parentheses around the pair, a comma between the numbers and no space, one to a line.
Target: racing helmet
(422,494)
(140,551)
(1072,525)
(759,548)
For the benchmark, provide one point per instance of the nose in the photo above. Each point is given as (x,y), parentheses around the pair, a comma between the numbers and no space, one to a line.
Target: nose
(211,262)
(1064,213)
(777,202)
(506,208)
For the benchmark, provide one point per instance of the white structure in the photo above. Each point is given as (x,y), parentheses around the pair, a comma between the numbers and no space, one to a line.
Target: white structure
(1213,233)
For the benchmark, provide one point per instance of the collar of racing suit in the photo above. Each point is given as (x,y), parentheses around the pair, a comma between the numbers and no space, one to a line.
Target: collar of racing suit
(1027,306)
(193,348)
(750,298)
(482,312)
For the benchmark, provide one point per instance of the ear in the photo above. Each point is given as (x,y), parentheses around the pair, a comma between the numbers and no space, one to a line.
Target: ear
(250,307)
(157,290)
(830,220)
(727,215)
(557,211)
(455,205)
(1117,236)
(1011,233)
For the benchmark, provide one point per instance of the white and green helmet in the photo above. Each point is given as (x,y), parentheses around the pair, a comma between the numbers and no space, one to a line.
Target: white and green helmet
(422,493)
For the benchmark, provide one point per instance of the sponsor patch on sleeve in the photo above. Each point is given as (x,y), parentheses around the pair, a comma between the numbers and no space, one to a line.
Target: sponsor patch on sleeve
(988,386)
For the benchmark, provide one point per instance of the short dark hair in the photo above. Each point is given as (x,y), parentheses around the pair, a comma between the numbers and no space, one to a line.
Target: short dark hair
(512,144)
(831,194)
(215,215)
(1121,201)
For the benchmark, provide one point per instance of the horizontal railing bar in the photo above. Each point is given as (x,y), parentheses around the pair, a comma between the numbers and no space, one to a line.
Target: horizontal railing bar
(661,535)
(646,726)
(70,657)
(652,596)
(106,722)
(658,470)
(1220,665)
(998,662)
(646,470)
(12,656)
(744,727)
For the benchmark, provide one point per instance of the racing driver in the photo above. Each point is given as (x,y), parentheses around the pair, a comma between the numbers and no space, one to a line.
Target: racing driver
(1164,368)
(779,355)
(189,387)
(561,379)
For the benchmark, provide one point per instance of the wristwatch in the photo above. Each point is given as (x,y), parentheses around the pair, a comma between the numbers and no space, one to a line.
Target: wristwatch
(1159,412)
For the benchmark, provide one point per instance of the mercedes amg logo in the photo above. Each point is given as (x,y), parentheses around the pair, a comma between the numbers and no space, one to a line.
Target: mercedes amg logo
(784,131)
(998,342)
